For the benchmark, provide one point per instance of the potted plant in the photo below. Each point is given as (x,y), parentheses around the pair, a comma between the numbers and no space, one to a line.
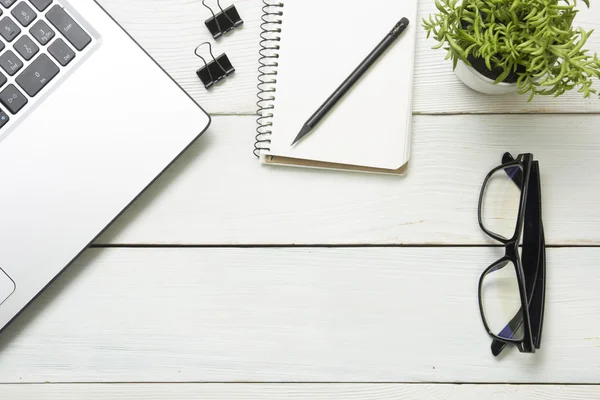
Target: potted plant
(525,46)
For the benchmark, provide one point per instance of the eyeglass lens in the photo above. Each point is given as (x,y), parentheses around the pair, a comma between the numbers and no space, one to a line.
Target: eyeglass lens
(500,202)
(501,301)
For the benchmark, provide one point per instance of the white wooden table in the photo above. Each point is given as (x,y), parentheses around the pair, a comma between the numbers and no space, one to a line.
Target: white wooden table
(229,280)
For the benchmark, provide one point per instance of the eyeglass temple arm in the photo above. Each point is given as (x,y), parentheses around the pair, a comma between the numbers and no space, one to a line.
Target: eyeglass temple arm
(536,305)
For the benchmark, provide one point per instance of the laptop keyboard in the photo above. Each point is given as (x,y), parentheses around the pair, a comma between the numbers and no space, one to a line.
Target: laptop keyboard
(38,41)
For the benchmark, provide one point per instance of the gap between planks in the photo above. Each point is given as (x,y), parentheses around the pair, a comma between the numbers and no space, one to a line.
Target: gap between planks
(436,114)
(266,383)
(317,246)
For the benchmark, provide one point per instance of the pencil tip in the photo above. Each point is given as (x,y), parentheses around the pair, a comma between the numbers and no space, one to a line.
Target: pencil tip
(303,132)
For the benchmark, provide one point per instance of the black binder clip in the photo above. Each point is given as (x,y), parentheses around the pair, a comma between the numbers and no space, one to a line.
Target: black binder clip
(216,70)
(224,21)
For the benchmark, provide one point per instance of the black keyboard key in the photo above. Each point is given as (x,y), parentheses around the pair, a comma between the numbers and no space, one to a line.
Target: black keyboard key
(8,29)
(3,79)
(12,99)
(37,75)
(3,118)
(68,27)
(7,3)
(41,5)
(24,14)
(26,48)
(42,32)
(2,45)
(10,62)
(61,52)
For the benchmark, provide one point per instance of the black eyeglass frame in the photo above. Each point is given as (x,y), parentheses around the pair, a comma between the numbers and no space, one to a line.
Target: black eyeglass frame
(531,281)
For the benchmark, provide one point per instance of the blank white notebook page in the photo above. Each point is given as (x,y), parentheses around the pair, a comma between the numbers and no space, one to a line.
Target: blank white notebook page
(322,42)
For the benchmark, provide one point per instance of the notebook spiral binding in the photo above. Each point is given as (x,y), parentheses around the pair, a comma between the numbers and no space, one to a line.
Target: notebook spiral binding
(269,47)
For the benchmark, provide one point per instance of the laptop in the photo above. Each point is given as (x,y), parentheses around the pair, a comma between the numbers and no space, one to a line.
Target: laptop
(87,121)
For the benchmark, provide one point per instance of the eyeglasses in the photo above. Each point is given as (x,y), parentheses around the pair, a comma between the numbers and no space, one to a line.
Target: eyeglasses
(512,290)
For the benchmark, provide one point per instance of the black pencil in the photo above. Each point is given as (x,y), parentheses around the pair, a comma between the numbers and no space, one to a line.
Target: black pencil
(352,79)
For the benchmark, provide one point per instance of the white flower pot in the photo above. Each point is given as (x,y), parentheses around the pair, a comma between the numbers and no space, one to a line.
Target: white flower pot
(480,83)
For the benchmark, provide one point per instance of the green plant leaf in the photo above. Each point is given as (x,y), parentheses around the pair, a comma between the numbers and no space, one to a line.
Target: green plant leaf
(438,46)
(459,51)
(502,77)
(440,7)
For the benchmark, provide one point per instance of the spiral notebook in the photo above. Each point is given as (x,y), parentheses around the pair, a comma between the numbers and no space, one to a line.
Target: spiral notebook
(309,48)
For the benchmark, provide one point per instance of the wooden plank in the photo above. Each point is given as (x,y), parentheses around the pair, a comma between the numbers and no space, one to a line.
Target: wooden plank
(171,29)
(219,194)
(295,315)
(296,392)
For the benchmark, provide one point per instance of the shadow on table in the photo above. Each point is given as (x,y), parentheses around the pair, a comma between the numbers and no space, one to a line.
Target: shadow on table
(161,185)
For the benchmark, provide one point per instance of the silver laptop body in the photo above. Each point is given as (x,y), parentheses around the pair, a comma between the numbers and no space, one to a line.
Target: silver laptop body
(78,142)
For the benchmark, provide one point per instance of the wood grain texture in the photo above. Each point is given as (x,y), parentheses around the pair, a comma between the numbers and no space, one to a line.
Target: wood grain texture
(171,29)
(219,194)
(283,315)
(296,392)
